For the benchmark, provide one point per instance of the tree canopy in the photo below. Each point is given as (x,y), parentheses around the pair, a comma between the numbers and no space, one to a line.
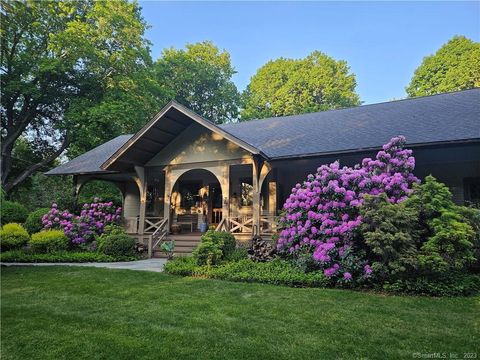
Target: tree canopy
(294,86)
(200,78)
(68,68)
(455,66)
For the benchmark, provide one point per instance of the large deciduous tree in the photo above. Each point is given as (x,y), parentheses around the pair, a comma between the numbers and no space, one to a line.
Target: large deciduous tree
(294,86)
(68,68)
(200,77)
(455,66)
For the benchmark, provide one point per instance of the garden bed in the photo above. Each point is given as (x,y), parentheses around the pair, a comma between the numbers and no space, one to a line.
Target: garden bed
(20,256)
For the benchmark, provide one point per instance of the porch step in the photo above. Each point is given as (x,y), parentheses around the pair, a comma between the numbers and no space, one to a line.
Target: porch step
(184,245)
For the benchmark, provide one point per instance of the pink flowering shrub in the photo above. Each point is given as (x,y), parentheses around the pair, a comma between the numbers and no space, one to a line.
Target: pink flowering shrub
(82,229)
(322,214)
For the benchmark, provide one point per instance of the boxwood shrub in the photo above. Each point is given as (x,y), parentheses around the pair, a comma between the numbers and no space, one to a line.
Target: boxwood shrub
(116,244)
(34,224)
(48,241)
(13,236)
(12,212)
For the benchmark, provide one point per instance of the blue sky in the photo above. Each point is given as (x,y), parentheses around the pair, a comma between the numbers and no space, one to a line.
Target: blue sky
(383,42)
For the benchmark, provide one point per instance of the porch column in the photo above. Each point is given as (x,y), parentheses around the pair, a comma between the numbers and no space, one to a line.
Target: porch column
(142,187)
(225,185)
(256,196)
(167,195)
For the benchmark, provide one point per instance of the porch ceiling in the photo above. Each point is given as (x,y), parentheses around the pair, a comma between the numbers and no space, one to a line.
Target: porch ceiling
(170,122)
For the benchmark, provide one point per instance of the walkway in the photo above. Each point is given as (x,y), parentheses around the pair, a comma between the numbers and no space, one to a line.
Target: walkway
(142,265)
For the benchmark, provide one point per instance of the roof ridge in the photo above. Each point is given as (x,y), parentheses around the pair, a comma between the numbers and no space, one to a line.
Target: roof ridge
(352,107)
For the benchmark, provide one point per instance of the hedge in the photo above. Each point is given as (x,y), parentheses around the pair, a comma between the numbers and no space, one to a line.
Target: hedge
(57,257)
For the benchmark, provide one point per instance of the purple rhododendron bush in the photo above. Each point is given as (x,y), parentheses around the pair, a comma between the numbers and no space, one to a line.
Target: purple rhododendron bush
(324,227)
(83,228)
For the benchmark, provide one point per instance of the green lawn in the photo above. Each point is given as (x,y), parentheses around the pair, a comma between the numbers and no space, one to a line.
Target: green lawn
(86,313)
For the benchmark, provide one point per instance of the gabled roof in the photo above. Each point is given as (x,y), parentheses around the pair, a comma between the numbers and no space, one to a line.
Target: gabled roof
(443,118)
(91,161)
(432,119)
(160,131)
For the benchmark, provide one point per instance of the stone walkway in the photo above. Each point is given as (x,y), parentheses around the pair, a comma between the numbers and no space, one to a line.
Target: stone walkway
(142,265)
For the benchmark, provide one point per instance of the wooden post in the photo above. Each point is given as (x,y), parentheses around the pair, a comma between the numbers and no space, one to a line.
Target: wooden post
(225,192)
(167,197)
(142,186)
(256,196)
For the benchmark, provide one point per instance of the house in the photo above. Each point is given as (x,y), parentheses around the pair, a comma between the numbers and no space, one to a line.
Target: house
(181,170)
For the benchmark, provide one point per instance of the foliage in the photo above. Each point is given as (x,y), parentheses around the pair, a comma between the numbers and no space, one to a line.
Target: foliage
(13,212)
(48,241)
(261,250)
(117,245)
(276,272)
(168,247)
(68,67)
(322,214)
(34,222)
(82,229)
(40,191)
(200,78)
(448,284)
(390,236)
(214,247)
(471,215)
(182,265)
(294,86)
(13,236)
(207,253)
(100,190)
(60,257)
(240,253)
(448,238)
(455,66)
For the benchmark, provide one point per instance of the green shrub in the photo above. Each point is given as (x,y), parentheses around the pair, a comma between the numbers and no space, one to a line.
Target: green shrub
(116,244)
(55,257)
(13,212)
(13,236)
(48,241)
(225,241)
(184,266)
(390,236)
(278,272)
(34,223)
(215,246)
(446,234)
(449,284)
(207,253)
(238,254)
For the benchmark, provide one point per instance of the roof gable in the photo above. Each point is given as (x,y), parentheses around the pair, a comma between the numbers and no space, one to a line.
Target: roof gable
(170,122)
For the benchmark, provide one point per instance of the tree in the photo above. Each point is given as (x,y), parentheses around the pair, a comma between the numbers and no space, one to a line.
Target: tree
(455,66)
(62,63)
(294,86)
(200,78)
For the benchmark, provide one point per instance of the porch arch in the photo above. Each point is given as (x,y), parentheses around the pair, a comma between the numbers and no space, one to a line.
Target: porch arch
(173,175)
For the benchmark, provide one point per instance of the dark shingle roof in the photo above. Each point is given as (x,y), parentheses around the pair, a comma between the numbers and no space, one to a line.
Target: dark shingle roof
(91,161)
(438,118)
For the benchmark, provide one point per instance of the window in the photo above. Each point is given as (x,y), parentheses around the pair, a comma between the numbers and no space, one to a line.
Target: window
(246,192)
(471,188)
(189,194)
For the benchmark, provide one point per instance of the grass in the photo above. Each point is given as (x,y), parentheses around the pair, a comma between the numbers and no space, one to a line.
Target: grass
(88,313)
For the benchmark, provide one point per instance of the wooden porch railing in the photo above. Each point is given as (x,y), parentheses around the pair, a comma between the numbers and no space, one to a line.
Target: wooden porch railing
(245,225)
(158,236)
(152,223)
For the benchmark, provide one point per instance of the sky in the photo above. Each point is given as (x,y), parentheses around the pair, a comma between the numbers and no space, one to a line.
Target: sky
(383,42)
